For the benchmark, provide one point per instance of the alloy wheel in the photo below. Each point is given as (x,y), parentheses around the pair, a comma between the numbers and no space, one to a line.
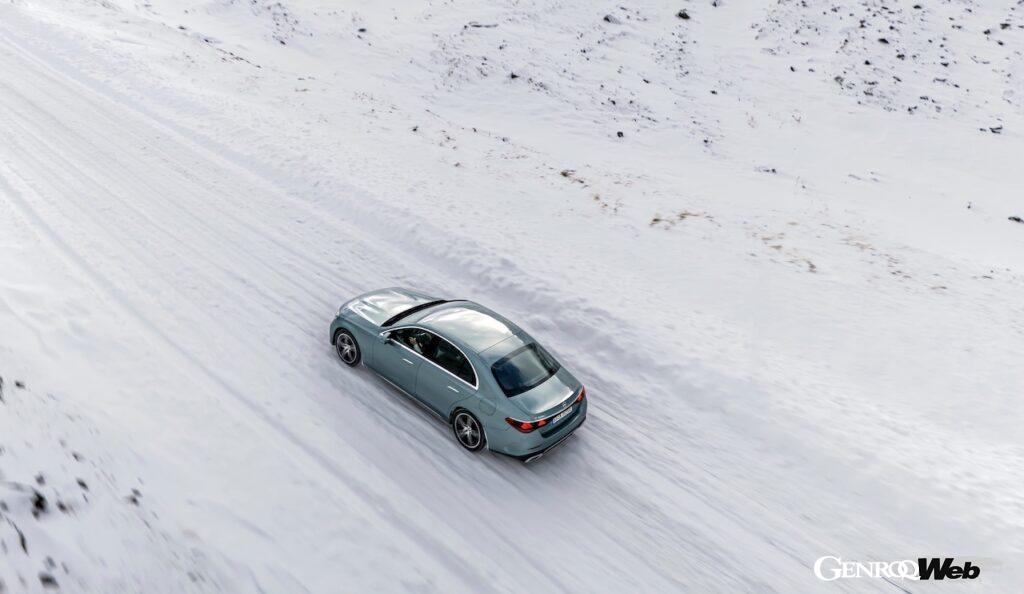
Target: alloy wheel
(467,431)
(347,349)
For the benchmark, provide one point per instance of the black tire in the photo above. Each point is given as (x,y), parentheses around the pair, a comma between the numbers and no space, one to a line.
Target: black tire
(347,348)
(468,430)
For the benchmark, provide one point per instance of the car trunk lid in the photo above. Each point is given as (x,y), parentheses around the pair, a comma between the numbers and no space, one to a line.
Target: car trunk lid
(549,397)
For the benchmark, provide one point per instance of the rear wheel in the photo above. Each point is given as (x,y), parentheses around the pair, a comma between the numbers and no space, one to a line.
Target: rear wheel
(468,430)
(347,347)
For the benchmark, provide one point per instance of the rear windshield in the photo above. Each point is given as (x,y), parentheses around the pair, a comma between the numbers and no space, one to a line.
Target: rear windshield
(524,369)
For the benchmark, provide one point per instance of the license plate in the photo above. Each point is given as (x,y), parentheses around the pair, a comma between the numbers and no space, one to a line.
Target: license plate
(561,415)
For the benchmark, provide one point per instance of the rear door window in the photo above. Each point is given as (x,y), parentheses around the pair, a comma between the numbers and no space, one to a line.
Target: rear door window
(453,361)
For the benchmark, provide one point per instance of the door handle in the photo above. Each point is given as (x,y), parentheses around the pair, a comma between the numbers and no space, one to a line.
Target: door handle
(407,361)
(453,389)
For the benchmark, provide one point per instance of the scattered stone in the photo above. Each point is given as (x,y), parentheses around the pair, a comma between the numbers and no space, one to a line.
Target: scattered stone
(19,384)
(82,484)
(883,41)
(361,30)
(39,504)
(996,129)
(1016,219)
(48,581)
(619,134)
(610,18)
(513,76)
(683,15)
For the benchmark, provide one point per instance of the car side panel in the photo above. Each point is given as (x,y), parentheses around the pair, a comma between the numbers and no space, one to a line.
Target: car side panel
(440,390)
(397,364)
(364,332)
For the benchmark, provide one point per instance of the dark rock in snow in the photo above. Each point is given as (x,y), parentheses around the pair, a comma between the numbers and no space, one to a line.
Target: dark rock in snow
(610,18)
(883,40)
(996,129)
(683,15)
(48,581)
(619,134)
(1016,219)
(19,384)
(39,504)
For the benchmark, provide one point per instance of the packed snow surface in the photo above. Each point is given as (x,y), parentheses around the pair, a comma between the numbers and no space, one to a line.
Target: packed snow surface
(776,241)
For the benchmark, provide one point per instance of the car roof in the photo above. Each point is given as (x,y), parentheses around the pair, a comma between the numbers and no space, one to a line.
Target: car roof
(470,324)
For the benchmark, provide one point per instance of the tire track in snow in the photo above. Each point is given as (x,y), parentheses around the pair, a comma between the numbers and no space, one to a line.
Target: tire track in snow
(428,542)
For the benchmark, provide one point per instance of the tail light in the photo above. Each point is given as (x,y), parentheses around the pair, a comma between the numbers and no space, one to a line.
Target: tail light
(526,426)
(529,426)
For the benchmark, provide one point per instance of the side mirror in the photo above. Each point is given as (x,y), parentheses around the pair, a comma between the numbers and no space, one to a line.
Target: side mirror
(383,337)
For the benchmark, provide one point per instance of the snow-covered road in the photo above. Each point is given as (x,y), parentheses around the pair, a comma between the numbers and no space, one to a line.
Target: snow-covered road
(174,291)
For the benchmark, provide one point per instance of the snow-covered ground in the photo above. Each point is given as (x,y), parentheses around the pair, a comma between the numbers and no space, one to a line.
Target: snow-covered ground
(773,239)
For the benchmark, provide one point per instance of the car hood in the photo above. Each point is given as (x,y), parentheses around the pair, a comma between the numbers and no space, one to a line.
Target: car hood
(549,396)
(378,306)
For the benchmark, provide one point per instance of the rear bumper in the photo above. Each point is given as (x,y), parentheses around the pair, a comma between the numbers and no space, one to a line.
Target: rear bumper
(531,457)
(530,454)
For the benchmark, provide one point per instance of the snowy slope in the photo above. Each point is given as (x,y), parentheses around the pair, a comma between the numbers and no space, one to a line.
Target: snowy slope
(791,287)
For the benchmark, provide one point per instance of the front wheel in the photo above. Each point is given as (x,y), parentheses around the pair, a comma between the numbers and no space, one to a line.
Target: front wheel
(468,430)
(347,347)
